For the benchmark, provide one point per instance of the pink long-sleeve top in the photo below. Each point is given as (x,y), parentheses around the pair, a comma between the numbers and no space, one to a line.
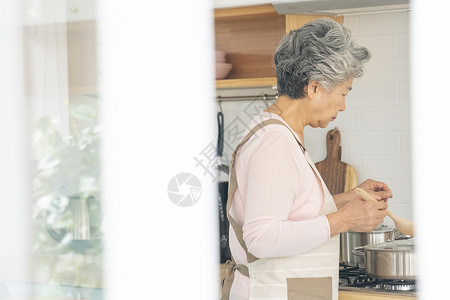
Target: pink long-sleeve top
(277,202)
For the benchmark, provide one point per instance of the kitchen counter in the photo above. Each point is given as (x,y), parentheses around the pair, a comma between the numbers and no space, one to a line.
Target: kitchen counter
(362,294)
(13,290)
(51,276)
(68,269)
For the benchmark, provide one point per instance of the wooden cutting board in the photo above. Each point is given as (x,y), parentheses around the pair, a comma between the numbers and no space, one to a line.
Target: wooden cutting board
(337,175)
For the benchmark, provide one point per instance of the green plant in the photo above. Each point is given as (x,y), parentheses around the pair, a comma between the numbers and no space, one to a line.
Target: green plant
(66,165)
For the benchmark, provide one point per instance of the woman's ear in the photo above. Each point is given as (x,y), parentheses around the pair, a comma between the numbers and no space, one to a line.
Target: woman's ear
(312,88)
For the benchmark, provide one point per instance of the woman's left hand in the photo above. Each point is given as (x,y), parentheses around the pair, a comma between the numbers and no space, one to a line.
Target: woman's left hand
(379,190)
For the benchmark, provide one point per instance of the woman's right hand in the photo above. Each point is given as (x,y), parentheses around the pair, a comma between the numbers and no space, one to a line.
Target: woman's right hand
(357,215)
(363,216)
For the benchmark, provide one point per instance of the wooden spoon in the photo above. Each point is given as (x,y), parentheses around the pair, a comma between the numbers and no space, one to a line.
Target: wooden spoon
(403,225)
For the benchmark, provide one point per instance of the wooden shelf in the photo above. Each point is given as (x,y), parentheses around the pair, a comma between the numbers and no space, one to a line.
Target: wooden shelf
(250,36)
(244,11)
(246,82)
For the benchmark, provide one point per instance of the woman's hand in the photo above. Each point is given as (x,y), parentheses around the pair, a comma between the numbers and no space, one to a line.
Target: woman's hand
(363,216)
(379,190)
(357,215)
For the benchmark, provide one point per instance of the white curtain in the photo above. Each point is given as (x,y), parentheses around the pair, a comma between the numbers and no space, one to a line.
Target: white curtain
(158,114)
(14,154)
(431,162)
(45,58)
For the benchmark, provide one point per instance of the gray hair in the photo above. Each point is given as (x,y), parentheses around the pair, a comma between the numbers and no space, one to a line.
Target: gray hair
(321,50)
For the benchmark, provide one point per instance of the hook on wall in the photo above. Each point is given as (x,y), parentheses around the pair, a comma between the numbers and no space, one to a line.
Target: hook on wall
(219,101)
(265,100)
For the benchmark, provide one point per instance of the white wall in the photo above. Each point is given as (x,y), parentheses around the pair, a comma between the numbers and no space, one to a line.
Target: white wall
(375,128)
(379,144)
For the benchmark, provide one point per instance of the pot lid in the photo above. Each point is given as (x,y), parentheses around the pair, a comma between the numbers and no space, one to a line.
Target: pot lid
(380,229)
(397,245)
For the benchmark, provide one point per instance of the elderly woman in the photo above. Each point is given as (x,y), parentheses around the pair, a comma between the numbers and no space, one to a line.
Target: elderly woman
(285,225)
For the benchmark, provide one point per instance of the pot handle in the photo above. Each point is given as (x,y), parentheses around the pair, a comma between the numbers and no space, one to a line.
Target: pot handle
(358,251)
(393,235)
(397,235)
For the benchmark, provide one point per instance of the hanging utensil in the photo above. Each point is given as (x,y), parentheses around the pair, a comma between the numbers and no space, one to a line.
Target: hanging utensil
(225,253)
(220,142)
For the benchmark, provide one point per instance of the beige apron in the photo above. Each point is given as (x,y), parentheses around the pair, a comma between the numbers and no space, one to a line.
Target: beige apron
(312,275)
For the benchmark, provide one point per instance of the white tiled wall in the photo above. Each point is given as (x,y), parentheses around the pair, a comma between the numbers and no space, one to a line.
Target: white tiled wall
(375,128)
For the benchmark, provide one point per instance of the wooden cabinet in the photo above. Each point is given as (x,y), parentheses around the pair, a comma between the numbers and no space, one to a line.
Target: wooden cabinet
(60,57)
(82,57)
(237,3)
(249,36)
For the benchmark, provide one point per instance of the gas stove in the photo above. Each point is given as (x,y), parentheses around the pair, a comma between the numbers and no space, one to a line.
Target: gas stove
(356,279)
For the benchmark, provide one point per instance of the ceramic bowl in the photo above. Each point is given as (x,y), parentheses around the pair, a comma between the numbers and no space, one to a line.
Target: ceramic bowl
(220,56)
(222,70)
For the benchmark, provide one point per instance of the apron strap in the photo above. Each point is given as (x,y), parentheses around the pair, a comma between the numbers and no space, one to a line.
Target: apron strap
(228,277)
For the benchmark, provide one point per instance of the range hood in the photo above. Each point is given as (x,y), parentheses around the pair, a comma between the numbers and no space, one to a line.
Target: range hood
(337,7)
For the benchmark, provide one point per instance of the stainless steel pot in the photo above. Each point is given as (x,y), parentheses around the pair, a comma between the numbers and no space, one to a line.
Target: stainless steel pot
(391,260)
(350,240)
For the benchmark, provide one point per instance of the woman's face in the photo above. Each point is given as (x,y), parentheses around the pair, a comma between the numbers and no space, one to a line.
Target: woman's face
(325,105)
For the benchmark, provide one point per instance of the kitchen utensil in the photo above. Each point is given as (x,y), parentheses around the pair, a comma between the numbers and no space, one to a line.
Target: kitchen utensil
(76,229)
(403,225)
(337,175)
(225,253)
(220,143)
(340,177)
(351,240)
(390,260)
(220,56)
(222,70)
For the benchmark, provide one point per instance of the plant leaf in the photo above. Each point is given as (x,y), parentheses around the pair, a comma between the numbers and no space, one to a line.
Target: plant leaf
(83,112)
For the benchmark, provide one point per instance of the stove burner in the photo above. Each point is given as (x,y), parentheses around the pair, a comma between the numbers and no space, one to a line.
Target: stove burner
(399,285)
(354,277)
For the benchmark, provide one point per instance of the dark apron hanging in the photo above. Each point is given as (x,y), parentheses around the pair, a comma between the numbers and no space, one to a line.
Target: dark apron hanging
(225,253)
